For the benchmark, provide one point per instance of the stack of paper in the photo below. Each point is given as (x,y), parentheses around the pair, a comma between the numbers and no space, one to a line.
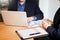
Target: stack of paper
(33,32)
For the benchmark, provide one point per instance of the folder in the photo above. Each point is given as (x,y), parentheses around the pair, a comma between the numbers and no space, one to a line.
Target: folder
(32,32)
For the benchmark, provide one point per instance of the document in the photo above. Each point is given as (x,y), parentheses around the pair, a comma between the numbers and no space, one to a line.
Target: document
(32,32)
(34,24)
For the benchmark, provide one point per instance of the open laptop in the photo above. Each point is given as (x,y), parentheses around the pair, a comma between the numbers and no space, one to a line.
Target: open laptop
(18,18)
(15,18)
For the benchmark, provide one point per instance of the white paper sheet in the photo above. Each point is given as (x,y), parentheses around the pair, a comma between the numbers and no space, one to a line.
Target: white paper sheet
(34,24)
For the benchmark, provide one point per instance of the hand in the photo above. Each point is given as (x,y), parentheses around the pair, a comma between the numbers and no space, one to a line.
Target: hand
(46,23)
(29,19)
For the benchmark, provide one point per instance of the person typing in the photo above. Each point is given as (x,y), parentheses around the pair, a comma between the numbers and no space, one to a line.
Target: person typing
(29,6)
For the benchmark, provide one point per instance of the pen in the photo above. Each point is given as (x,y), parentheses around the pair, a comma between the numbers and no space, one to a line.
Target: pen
(35,33)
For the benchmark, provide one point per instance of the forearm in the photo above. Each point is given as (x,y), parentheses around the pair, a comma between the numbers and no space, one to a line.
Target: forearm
(53,32)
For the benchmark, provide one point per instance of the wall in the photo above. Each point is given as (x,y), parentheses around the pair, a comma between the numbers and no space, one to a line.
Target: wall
(49,7)
(43,4)
(53,6)
(59,2)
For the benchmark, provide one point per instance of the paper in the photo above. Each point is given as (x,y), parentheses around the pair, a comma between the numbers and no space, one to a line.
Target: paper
(33,32)
(34,24)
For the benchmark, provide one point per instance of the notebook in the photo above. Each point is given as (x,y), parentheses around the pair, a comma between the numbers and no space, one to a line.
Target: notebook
(32,32)
(18,18)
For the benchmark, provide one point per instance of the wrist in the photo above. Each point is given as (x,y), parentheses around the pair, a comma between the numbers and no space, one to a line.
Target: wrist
(35,18)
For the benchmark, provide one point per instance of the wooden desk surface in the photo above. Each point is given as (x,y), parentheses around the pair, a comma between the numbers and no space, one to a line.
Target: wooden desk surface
(8,32)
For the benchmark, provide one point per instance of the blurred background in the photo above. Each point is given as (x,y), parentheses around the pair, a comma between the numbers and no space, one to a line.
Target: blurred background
(48,7)
(3,6)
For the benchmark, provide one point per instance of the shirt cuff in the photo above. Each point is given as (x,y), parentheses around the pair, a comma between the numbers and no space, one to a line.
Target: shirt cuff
(48,26)
(35,18)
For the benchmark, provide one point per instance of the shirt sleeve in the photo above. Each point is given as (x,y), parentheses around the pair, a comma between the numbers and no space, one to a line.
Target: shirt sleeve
(53,33)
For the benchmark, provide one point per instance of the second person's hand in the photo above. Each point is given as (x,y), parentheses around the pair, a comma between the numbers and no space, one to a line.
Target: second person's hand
(46,23)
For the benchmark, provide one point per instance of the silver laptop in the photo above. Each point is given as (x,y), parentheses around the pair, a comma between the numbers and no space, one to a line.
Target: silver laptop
(14,18)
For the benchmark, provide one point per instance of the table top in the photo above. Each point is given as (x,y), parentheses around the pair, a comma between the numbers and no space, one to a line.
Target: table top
(9,32)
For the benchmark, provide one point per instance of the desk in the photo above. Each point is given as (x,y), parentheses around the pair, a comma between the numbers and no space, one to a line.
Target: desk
(8,32)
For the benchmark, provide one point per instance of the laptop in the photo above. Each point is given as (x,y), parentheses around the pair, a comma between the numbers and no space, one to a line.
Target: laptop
(18,18)
(15,18)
